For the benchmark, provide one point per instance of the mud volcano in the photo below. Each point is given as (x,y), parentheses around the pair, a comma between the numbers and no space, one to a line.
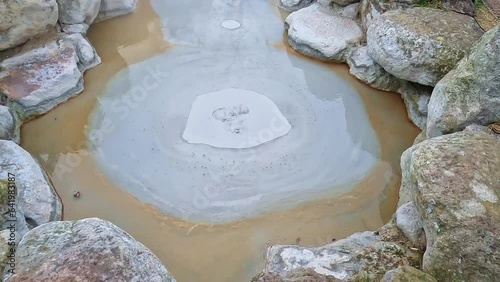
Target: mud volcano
(208,140)
(208,209)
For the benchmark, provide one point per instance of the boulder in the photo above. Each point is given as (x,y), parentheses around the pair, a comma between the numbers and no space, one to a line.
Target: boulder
(294,5)
(35,198)
(408,221)
(75,28)
(11,215)
(78,11)
(343,2)
(321,33)
(362,66)
(362,256)
(460,6)
(21,20)
(9,125)
(46,73)
(295,275)
(85,250)
(470,93)
(371,9)
(407,274)
(454,182)
(114,8)
(492,129)
(421,44)
(416,98)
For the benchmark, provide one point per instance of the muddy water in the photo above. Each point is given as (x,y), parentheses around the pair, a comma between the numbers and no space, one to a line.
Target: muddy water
(197,252)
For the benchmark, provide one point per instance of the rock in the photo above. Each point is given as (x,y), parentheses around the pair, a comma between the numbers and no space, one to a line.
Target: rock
(454,181)
(344,2)
(421,44)
(114,8)
(295,275)
(416,98)
(360,256)
(85,250)
(36,198)
(11,217)
(407,274)
(46,74)
(21,20)
(371,9)
(294,5)
(486,129)
(75,28)
(493,6)
(460,6)
(470,93)
(408,221)
(78,11)
(9,125)
(319,32)
(420,137)
(349,11)
(362,66)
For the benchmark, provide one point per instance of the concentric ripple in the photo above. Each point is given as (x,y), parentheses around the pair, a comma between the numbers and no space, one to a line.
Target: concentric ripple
(136,135)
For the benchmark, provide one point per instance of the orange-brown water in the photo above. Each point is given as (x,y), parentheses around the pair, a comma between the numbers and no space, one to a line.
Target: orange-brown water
(197,252)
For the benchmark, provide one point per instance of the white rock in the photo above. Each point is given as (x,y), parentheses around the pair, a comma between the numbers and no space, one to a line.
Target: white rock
(9,126)
(294,5)
(319,32)
(21,20)
(78,11)
(114,8)
(35,195)
(408,221)
(46,74)
(234,118)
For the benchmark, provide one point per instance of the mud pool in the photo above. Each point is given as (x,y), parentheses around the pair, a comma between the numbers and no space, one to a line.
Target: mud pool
(120,143)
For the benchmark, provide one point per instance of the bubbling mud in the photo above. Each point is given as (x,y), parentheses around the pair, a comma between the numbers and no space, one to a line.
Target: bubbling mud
(327,146)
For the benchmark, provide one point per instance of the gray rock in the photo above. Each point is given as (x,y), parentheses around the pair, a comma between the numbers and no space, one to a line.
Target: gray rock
(371,9)
(485,129)
(407,274)
(470,93)
(85,250)
(36,197)
(344,2)
(360,257)
(21,20)
(11,215)
(294,5)
(460,6)
(454,181)
(78,11)
(349,11)
(421,44)
(408,221)
(420,137)
(46,74)
(114,8)
(319,32)
(416,98)
(75,28)
(362,66)
(9,125)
